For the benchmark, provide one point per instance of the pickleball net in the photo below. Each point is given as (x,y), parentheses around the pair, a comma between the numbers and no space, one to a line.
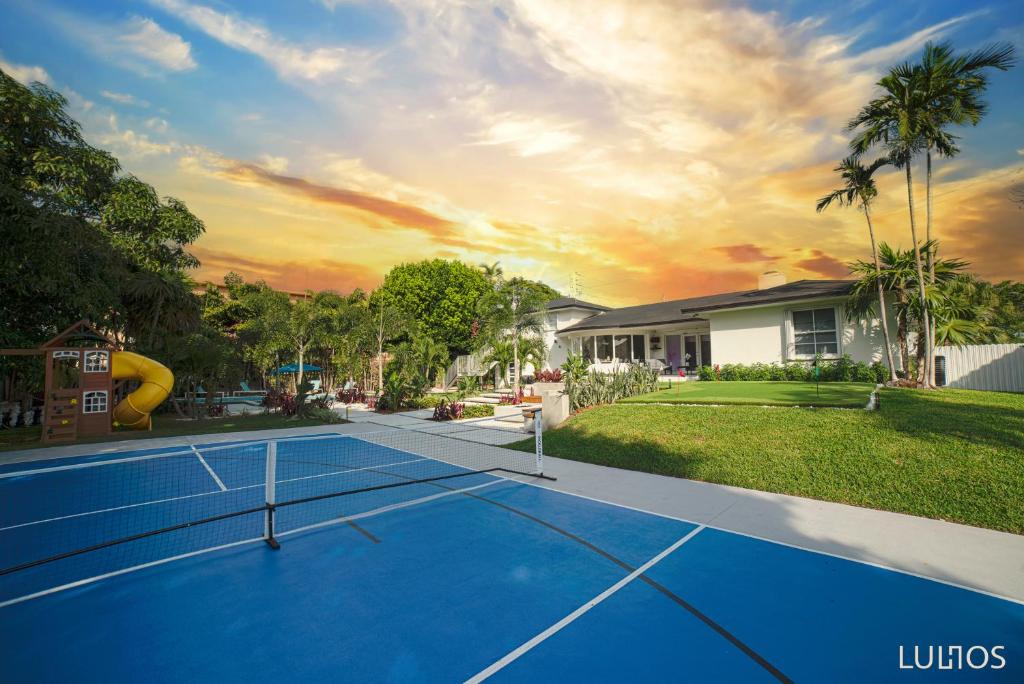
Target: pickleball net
(90,519)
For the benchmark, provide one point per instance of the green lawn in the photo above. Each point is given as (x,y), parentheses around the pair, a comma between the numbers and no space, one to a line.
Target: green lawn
(164,425)
(838,394)
(949,454)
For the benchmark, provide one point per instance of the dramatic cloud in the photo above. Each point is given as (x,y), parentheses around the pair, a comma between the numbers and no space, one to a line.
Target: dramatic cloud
(659,149)
(293,276)
(746,253)
(396,213)
(288,59)
(824,265)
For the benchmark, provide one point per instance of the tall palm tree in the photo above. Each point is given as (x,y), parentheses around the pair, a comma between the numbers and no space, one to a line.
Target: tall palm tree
(952,86)
(859,188)
(512,311)
(894,120)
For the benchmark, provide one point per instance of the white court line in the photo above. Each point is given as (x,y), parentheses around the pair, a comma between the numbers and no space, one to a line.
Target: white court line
(748,535)
(191,496)
(390,507)
(367,514)
(515,654)
(209,469)
(165,454)
(115,573)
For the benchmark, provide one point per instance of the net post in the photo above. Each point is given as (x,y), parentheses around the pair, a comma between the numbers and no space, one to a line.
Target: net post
(268,526)
(538,440)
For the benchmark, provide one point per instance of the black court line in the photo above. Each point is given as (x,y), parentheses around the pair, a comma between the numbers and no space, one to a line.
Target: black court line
(683,603)
(696,612)
(689,607)
(363,531)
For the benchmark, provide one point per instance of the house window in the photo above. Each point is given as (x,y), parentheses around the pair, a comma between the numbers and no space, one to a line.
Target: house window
(604,348)
(815,332)
(622,352)
(639,353)
(96,361)
(94,402)
(587,346)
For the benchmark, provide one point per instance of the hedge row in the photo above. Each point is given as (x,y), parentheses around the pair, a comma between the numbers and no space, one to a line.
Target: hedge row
(840,370)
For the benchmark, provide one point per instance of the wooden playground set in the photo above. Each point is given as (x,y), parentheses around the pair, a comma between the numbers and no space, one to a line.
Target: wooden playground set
(85,371)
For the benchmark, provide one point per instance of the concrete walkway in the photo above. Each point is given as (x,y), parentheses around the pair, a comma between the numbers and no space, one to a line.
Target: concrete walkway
(973,557)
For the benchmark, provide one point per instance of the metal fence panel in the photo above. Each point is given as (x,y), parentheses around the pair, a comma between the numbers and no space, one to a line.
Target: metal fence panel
(997,367)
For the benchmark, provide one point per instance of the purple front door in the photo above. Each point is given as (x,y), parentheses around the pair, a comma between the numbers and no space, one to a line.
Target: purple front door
(673,355)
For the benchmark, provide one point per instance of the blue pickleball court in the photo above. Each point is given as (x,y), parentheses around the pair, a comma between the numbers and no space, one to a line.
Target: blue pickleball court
(410,556)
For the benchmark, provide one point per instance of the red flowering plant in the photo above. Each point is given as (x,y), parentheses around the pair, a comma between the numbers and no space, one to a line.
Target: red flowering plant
(553,375)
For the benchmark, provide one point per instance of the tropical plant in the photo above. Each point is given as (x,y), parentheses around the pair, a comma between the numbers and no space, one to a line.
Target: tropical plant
(493,272)
(606,388)
(513,313)
(916,106)
(575,368)
(466,386)
(395,391)
(894,120)
(859,188)
(899,276)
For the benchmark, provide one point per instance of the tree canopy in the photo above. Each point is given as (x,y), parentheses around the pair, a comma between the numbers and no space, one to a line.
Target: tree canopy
(441,295)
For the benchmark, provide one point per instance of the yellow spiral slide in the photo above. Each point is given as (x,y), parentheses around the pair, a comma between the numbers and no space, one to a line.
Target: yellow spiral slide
(157,382)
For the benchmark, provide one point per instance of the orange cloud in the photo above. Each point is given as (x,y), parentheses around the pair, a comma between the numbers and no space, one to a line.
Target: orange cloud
(746,253)
(293,276)
(824,265)
(398,213)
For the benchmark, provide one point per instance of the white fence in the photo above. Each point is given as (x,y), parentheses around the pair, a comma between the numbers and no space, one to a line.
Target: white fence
(997,367)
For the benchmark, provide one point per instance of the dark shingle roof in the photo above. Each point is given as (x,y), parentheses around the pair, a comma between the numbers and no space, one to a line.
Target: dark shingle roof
(572,302)
(683,309)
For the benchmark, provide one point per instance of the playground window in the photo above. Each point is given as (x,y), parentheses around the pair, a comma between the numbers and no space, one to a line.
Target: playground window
(96,361)
(94,402)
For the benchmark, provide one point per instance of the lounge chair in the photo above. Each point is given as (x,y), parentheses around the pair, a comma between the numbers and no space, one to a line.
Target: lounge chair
(247,391)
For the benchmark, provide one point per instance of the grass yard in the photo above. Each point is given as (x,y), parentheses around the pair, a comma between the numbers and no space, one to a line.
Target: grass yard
(949,454)
(827,394)
(164,425)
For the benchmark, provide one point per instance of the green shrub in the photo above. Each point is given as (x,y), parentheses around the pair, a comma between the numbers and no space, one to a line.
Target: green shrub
(427,401)
(706,373)
(840,370)
(606,388)
(732,372)
(798,372)
(477,411)
(758,371)
(324,415)
(880,373)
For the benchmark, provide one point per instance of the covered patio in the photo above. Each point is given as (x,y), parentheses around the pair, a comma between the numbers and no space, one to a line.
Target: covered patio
(676,350)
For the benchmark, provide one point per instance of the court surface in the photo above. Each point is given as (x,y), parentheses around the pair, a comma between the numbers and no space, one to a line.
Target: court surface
(470,575)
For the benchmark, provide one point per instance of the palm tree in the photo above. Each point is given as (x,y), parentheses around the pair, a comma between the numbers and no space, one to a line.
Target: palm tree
(894,120)
(952,86)
(431,358)
(512,311)
(859,188)
(899,278)
(494,273)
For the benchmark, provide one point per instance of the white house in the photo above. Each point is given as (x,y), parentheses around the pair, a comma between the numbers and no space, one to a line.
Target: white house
(778,322)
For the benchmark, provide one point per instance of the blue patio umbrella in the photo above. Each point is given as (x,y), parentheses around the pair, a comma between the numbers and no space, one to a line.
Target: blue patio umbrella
(294,368)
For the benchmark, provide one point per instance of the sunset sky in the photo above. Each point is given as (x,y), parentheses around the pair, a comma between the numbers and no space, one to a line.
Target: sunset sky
(658,149)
